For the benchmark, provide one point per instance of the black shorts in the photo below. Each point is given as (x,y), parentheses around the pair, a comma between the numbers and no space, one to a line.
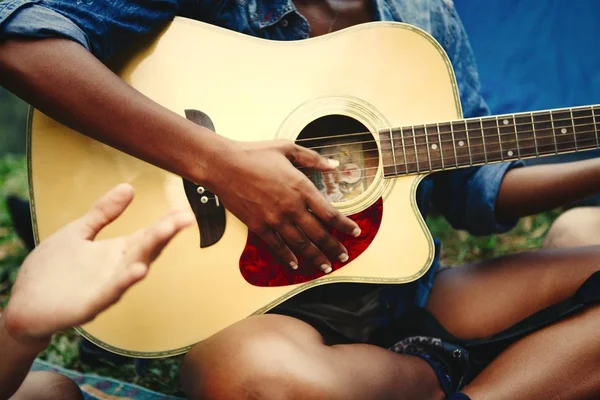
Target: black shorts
(462,359)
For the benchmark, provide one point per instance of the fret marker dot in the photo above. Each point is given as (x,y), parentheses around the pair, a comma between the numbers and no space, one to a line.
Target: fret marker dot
(461,143)
(510,153)
(563,130)
(434,146)
(505,122)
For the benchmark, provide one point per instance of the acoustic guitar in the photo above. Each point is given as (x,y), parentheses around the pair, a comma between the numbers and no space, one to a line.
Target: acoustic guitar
(381,98)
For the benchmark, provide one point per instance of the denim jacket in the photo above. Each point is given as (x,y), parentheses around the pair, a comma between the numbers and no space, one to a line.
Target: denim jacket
(466,197)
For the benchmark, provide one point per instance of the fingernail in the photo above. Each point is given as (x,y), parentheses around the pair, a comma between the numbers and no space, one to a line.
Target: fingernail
(293,265)
(343,257)
(356,232)
(333,163)
(326,268)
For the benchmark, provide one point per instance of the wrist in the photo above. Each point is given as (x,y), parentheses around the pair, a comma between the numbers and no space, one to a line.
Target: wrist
(11,332)
(209,160)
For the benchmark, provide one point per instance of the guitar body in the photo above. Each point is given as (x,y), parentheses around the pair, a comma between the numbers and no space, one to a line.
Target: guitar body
(377,75)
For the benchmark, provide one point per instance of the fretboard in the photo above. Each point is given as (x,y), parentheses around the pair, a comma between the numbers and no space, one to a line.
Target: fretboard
(477,141)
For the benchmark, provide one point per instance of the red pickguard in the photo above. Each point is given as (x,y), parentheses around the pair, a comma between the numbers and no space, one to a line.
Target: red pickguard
(260,268)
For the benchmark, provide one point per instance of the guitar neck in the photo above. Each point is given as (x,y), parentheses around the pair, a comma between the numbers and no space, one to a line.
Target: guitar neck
(477,141)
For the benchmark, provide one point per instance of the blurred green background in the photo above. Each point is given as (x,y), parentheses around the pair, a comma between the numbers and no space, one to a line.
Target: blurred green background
(13,122)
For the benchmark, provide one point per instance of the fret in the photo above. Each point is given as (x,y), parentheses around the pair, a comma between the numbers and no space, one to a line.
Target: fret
(574,130)
(466,133)
(563,130)
(423,131)
(447,133)
(526,144)
(499,139)
(398,152)
(463,151)
(584,128)
(476,141)
(596,114)
(413,156)
(437,126)
(421,144)
(553,133)
(516,137)
(537,152)
(493,149)
(544,133)
(506,126)
(387,153)
(434,147)
(447,139)
(393,152)
(398,132)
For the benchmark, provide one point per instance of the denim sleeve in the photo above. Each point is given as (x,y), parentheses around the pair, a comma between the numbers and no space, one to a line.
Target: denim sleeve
(467,197)
(102,26)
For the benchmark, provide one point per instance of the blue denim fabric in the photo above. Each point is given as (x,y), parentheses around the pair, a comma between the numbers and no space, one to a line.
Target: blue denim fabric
(466,197)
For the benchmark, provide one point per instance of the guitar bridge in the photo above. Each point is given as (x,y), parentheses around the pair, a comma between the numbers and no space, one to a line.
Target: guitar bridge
(209,212)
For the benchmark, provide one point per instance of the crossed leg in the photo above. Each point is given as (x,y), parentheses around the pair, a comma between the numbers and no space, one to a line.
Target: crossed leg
(576,227)
(559,361)
(279,357)
(276,357)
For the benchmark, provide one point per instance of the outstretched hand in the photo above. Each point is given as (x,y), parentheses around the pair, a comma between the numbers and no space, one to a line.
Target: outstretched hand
(70,278)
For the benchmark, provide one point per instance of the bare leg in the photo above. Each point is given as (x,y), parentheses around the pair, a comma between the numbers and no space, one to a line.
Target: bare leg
(559,362)
(562,360)
(278,357)
(576,227)
(47,385)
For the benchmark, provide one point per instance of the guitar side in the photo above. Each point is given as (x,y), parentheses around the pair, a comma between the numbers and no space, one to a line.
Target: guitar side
(380,74)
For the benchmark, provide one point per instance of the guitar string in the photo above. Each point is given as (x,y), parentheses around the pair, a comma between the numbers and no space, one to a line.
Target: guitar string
(555,142)
(434,135)
(452,160)
(497,155)
(427,170)
(584,145)
(462,122)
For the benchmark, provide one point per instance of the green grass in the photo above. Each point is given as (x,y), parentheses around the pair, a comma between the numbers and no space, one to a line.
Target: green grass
(458,248)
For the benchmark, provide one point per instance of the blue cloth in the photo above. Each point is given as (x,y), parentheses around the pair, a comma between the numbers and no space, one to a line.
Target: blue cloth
(535,55)
(466,197)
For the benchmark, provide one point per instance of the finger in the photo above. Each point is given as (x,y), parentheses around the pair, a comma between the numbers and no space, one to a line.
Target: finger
(300,244)
(329,215)
(123,280)
(130,276)
(322,238)
(301,156)
(106,210)
(151,241)
(274,241)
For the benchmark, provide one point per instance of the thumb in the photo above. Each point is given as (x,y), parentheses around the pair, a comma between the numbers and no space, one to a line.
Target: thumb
(304,157)
(105,211)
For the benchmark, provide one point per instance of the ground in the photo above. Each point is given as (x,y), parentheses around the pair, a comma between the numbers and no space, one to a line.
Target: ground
(458,248)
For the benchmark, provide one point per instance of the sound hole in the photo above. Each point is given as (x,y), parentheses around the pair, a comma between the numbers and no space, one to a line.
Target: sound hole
(349,142)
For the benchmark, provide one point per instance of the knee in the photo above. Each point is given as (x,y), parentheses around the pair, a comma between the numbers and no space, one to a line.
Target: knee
(575,227)
(253,360)
(48,385)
